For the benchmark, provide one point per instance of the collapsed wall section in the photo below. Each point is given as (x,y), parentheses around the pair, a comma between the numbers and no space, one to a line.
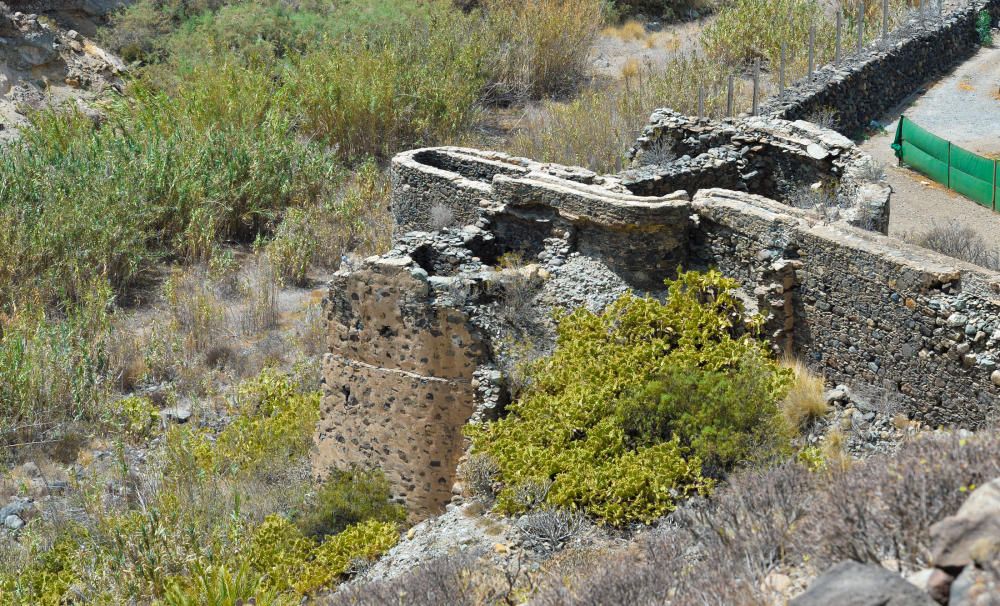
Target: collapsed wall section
(798,163)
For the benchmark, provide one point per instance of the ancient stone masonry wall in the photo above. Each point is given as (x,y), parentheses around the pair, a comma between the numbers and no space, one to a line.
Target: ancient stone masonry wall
(457,179)
(917,330)
(412,332)
(397,380)
(865,88)
(420,337)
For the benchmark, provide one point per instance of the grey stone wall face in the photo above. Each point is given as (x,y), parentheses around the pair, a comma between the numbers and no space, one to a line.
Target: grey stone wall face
(864,88)
(915,329)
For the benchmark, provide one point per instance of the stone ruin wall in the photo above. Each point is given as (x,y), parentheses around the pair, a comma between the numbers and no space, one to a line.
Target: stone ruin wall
(398,381)
(411,361)
(866,87)
(916,331)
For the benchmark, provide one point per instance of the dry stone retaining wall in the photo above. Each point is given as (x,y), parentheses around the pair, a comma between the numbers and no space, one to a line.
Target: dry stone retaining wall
(866,87)
(918,330)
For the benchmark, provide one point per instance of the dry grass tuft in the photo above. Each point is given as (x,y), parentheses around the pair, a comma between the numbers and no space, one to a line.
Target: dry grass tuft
(805,402)
(628,31)
(631,68)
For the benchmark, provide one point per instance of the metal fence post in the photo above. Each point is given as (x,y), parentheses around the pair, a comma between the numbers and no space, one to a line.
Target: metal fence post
(781,70)
(729,98)
(840,27)
(885,20)
(756,85)
(949,165)
(899,157)
(812,50)
(701,101)
(861,26)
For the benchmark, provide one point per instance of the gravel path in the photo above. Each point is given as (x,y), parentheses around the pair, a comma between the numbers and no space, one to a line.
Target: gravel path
(963,107)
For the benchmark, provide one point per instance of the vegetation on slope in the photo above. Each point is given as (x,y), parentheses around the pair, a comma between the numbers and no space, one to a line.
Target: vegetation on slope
(596,128)
(641,405)
(226,509)
(783,520)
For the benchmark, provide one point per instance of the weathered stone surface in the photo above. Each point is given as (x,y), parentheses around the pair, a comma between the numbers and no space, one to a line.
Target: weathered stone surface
(770,157)
(973,531)
(13,522)
(939,586)
(397,383)
(975,587)
(854,584)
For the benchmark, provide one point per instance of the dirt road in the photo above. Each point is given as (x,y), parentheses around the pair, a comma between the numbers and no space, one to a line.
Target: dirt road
(963,107)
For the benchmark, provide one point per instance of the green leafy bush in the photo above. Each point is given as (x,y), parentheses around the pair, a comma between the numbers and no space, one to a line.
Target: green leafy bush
(347,498)
(135,417)
(639,402)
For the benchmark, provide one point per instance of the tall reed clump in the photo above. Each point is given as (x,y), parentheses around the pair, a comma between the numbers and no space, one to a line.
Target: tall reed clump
(111,201)
(52,364)
(539,48)
(373,95)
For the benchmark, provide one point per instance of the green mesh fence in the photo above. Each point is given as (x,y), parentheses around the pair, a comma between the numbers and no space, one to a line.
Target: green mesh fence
(969,174)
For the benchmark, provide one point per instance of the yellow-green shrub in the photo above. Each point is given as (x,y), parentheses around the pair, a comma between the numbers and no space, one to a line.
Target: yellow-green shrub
(635,401)
(221,585)
(47,580)
(135,417)
(274,421)
(291,561)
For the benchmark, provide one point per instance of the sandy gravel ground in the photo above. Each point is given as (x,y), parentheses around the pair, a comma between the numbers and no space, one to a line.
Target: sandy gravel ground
(963,107)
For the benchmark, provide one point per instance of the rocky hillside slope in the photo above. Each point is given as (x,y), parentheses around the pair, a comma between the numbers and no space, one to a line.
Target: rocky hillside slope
(48,56)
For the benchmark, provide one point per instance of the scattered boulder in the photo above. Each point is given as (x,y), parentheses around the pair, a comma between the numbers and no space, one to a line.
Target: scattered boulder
(177,414)
(939,586)
(17,507)
(838,394)
(974,529)
(13,522)
(854,584)
(975,587)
